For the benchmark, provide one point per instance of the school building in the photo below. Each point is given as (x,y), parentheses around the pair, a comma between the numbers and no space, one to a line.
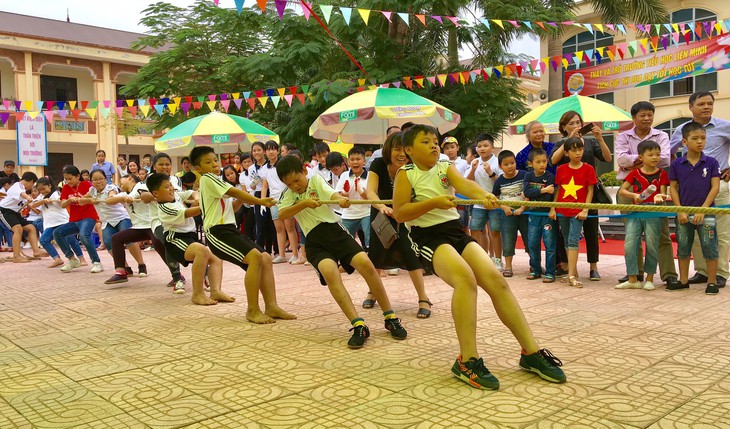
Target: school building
(49,60)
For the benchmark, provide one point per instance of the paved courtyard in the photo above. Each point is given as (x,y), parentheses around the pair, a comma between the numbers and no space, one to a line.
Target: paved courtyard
(77,353)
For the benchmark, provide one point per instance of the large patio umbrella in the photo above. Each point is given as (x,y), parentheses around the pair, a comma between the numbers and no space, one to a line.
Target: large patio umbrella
(223,132)
(605,115)
(365,117)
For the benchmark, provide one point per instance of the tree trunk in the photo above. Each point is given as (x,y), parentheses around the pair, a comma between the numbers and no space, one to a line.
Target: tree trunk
(453,50)
(555,78)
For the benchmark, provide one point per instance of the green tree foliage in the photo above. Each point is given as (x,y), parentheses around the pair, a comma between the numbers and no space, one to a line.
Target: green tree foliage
(209,50)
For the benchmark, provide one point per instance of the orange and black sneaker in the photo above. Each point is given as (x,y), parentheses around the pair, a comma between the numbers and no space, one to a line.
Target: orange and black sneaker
(474,373)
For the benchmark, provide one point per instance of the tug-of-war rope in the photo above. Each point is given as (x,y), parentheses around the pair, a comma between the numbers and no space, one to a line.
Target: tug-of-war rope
(589,206)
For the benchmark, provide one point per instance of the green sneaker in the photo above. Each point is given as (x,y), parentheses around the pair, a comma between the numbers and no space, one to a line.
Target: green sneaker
(544,364)
(358,337)
(474,373)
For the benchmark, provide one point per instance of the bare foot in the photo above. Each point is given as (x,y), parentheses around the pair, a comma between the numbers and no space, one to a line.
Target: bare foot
(40,254)
(258,318)
(56,263)
(221,297)
(83,262)
(20,260)
(299,261)
(202,300)
(278,313)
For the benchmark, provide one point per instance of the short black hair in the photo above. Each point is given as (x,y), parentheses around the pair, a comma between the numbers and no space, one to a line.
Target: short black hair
(405,126)
(409,136)
(188,177)
(101,151)
(690,127)
(334,159)
(5,181)
(184,158)
(99,171)
(472,149)
(133,177)
(147,155)
(289,164)
(124,157)
(295,152)
(45,181)
(85,171)
(505,154)
(198,152)
(288,146)
(535,152)
(271,145)
(391,127)
(393,141)
(647,145)
(72,170)
(700,94)
(484,137)
(156,180)
(356,150)
(158,157)
(641,105)
(29,176)
(321,147)
(573,143)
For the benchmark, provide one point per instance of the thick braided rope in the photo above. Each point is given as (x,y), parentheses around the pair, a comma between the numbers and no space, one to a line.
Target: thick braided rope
(589,206)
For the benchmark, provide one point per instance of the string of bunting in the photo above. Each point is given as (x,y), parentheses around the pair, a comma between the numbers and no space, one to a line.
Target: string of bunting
(261,97)
(534,26)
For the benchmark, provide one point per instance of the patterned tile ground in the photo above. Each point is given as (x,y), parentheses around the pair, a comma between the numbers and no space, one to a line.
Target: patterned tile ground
(77,353)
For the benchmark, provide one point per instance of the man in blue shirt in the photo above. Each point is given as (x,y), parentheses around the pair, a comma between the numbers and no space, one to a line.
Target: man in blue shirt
(107,167)
(701,104)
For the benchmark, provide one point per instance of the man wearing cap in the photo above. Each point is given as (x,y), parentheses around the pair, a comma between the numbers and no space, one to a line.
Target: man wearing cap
(9,171)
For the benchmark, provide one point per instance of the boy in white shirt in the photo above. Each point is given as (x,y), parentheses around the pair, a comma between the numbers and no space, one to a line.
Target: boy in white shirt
(352,184)
(18,195)
(329,245)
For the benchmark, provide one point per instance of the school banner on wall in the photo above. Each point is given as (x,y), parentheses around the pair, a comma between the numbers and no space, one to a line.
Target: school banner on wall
(696,58)
(32,141)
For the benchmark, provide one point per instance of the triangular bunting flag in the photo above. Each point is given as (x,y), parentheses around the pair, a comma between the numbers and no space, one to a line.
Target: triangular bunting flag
(238,102)
(76,112)
(29,105)
(396,84)
(197,105)
(665,41)
(442,79)
(246,94)
(408,83)
(225,104)
(140,102)
(599,27)
(211,105)
(622,50)
(107,103)
(300,97)
(454,20)
(49,116)
(588,27)
(118,110)
(454,77)
(280,8)
(105,112)
(515,24)
(211,97)
(432,79)
(488,25)
(6,103)
(632,47)
(263,100)
(132,110)
(528,24)
(251,102)
(419,81)
(438,18)
(541,25)
(262,5)
(644,44)
(130,103)
(239,5)
(387,15)
(64,113)
(421,18)
(687,36)
(365,14)
(326,12)
(621,28)
(145,110)
(275,99)
(405,18)
(17,105)
(4,118)
(306,7)
(185,107)
(159,108)
(346,14)
(464,77)
(19,116)
(288,98)
(654,42)
(498,22)
(281,91)
(91,112)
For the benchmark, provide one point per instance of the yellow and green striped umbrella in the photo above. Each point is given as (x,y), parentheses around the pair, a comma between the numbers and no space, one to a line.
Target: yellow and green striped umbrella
(605,115)
(365,117)
(223,132)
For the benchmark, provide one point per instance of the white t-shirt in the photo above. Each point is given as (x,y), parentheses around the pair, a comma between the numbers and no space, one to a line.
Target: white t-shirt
(13,200)
(276,186)
(430,184)
(216,206)
(139,212)
(172,215)
(310,218)
(108,214)
(54,215)
(33,216)
(323,173)
(461,165)
(256,176)
(154,207)
(481,177)
(354,186)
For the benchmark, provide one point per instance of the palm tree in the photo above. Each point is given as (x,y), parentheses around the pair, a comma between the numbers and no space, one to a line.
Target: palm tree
(610,11)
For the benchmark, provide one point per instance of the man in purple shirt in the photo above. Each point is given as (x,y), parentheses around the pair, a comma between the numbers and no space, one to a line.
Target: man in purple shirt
(627,156)
(702,104)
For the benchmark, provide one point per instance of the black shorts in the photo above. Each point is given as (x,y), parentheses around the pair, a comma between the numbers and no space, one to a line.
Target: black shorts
(228,243)
(176,243)
(428,239)
(11,218)
(331,241)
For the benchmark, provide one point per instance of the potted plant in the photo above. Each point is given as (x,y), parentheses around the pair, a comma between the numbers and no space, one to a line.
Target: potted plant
(611,183)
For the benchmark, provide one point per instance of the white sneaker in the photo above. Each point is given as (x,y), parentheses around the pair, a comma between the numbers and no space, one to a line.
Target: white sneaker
(628,285)
(393,272)
(179,288)
(96,267)
(70,265)
(149,249)
(278,260)
(649,286)
(26,246)
(293,259)
(498,263)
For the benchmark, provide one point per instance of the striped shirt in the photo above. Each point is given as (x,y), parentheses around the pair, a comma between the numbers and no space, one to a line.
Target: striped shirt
(172,215)
(217,208)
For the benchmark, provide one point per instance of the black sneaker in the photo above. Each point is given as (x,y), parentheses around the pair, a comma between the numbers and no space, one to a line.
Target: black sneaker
(594,276)
(676,286)
(397,330)
(116,278)
(129,271)
(142,270)
(671,280)
(544,364)
(358,337)
(559,272)
(712,289)
(721,281)
(474,373)
(697,279)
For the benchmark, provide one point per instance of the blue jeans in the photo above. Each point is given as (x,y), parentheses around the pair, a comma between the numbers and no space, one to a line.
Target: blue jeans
(38,224)
(47,237)
(110,230)
(541,228)
(652,230)
(480,217)
(570,227)
(84,228)
(7,234)
(352,225)
(707,232)
(510,226)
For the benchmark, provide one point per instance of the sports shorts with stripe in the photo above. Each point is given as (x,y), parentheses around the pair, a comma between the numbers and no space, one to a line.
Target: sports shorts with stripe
(176,243)
(331,241)
(428,239)
(11,218)
(229,244)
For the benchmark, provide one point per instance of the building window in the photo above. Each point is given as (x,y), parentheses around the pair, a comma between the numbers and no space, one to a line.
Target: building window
(671,125)
(120,96)
(688,85)
(58,88)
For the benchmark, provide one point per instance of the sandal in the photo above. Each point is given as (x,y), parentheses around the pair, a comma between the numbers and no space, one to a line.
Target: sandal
(574,282)
(507,273)
(534,276)
(368,303)
(548,279)
(424,313)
